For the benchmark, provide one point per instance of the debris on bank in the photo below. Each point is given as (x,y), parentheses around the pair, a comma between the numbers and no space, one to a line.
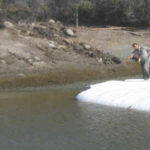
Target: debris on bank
(56,31)
(45,45)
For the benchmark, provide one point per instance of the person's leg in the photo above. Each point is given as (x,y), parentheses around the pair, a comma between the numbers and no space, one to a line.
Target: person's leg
(146,69)
(142,68)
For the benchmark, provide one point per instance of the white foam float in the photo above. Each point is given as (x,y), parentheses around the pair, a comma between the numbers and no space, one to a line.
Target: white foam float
(131,93)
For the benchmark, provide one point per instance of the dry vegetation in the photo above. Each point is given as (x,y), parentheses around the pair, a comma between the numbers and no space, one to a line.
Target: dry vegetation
(70,76)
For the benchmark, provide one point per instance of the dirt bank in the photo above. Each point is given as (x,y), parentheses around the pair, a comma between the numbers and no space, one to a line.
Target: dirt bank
(49,53)
(45,46)
(116,40)
(69,75)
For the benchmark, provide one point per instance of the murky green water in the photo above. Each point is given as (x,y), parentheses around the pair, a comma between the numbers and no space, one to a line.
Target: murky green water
(51,119)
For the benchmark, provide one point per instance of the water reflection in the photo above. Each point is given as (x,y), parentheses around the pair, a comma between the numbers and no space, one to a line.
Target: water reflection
(115,128)
(52,119)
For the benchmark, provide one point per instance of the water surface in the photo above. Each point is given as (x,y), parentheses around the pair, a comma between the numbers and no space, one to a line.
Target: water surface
(51,119)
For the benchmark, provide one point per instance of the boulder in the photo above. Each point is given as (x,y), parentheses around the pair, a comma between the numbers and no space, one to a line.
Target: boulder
(69,32)
(67,41)
(30,61)
(100,60)
(51,21)
(62,47)
(37,58)
(30,33)
(39,64)
(8,24)
(116,60)
(87,47)
(52,45)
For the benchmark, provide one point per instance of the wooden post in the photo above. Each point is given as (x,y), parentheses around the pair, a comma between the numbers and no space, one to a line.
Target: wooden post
(77,17)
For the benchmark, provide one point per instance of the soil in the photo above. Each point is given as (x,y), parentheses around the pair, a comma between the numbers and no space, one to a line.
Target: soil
(116,40)
(43,53)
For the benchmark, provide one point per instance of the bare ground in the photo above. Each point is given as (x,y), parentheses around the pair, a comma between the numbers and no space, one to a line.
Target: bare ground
(43,57)
(117,40)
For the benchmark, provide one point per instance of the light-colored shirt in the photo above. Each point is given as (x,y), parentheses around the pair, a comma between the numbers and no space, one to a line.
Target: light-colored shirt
(142,53)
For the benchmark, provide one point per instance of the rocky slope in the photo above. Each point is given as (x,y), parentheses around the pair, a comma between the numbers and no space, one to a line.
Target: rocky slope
(45,46)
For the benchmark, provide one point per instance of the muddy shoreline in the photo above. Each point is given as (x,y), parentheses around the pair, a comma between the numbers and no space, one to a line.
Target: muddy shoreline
(69,75)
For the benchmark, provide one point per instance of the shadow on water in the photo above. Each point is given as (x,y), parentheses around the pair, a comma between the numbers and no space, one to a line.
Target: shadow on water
(51,118)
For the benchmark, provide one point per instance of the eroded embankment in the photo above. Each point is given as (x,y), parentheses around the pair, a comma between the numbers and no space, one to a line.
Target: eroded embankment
(70,75)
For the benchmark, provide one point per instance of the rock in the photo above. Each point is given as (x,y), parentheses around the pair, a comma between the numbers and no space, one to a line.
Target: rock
(56,35)
(67,41)
(100,60)
(91,54)
(62,47)
(69,32)
(75,30)
(39,64)
(21,23)
(3,62)
(30,33)
(42,46)
(52,42)
(28,56)
(51,21)
(52,45)
(30,61)
(19,53)
(33,24)
(20,75)
(87,46)
(8,24)
(116,60)
(135,33)
(37,58)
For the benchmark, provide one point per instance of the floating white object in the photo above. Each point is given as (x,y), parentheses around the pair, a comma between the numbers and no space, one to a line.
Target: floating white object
(131,93)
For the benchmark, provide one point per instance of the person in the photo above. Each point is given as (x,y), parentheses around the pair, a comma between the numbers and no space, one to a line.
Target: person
(142,55)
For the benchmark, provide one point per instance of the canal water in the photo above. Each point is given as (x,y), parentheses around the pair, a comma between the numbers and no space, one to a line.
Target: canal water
(51,119)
